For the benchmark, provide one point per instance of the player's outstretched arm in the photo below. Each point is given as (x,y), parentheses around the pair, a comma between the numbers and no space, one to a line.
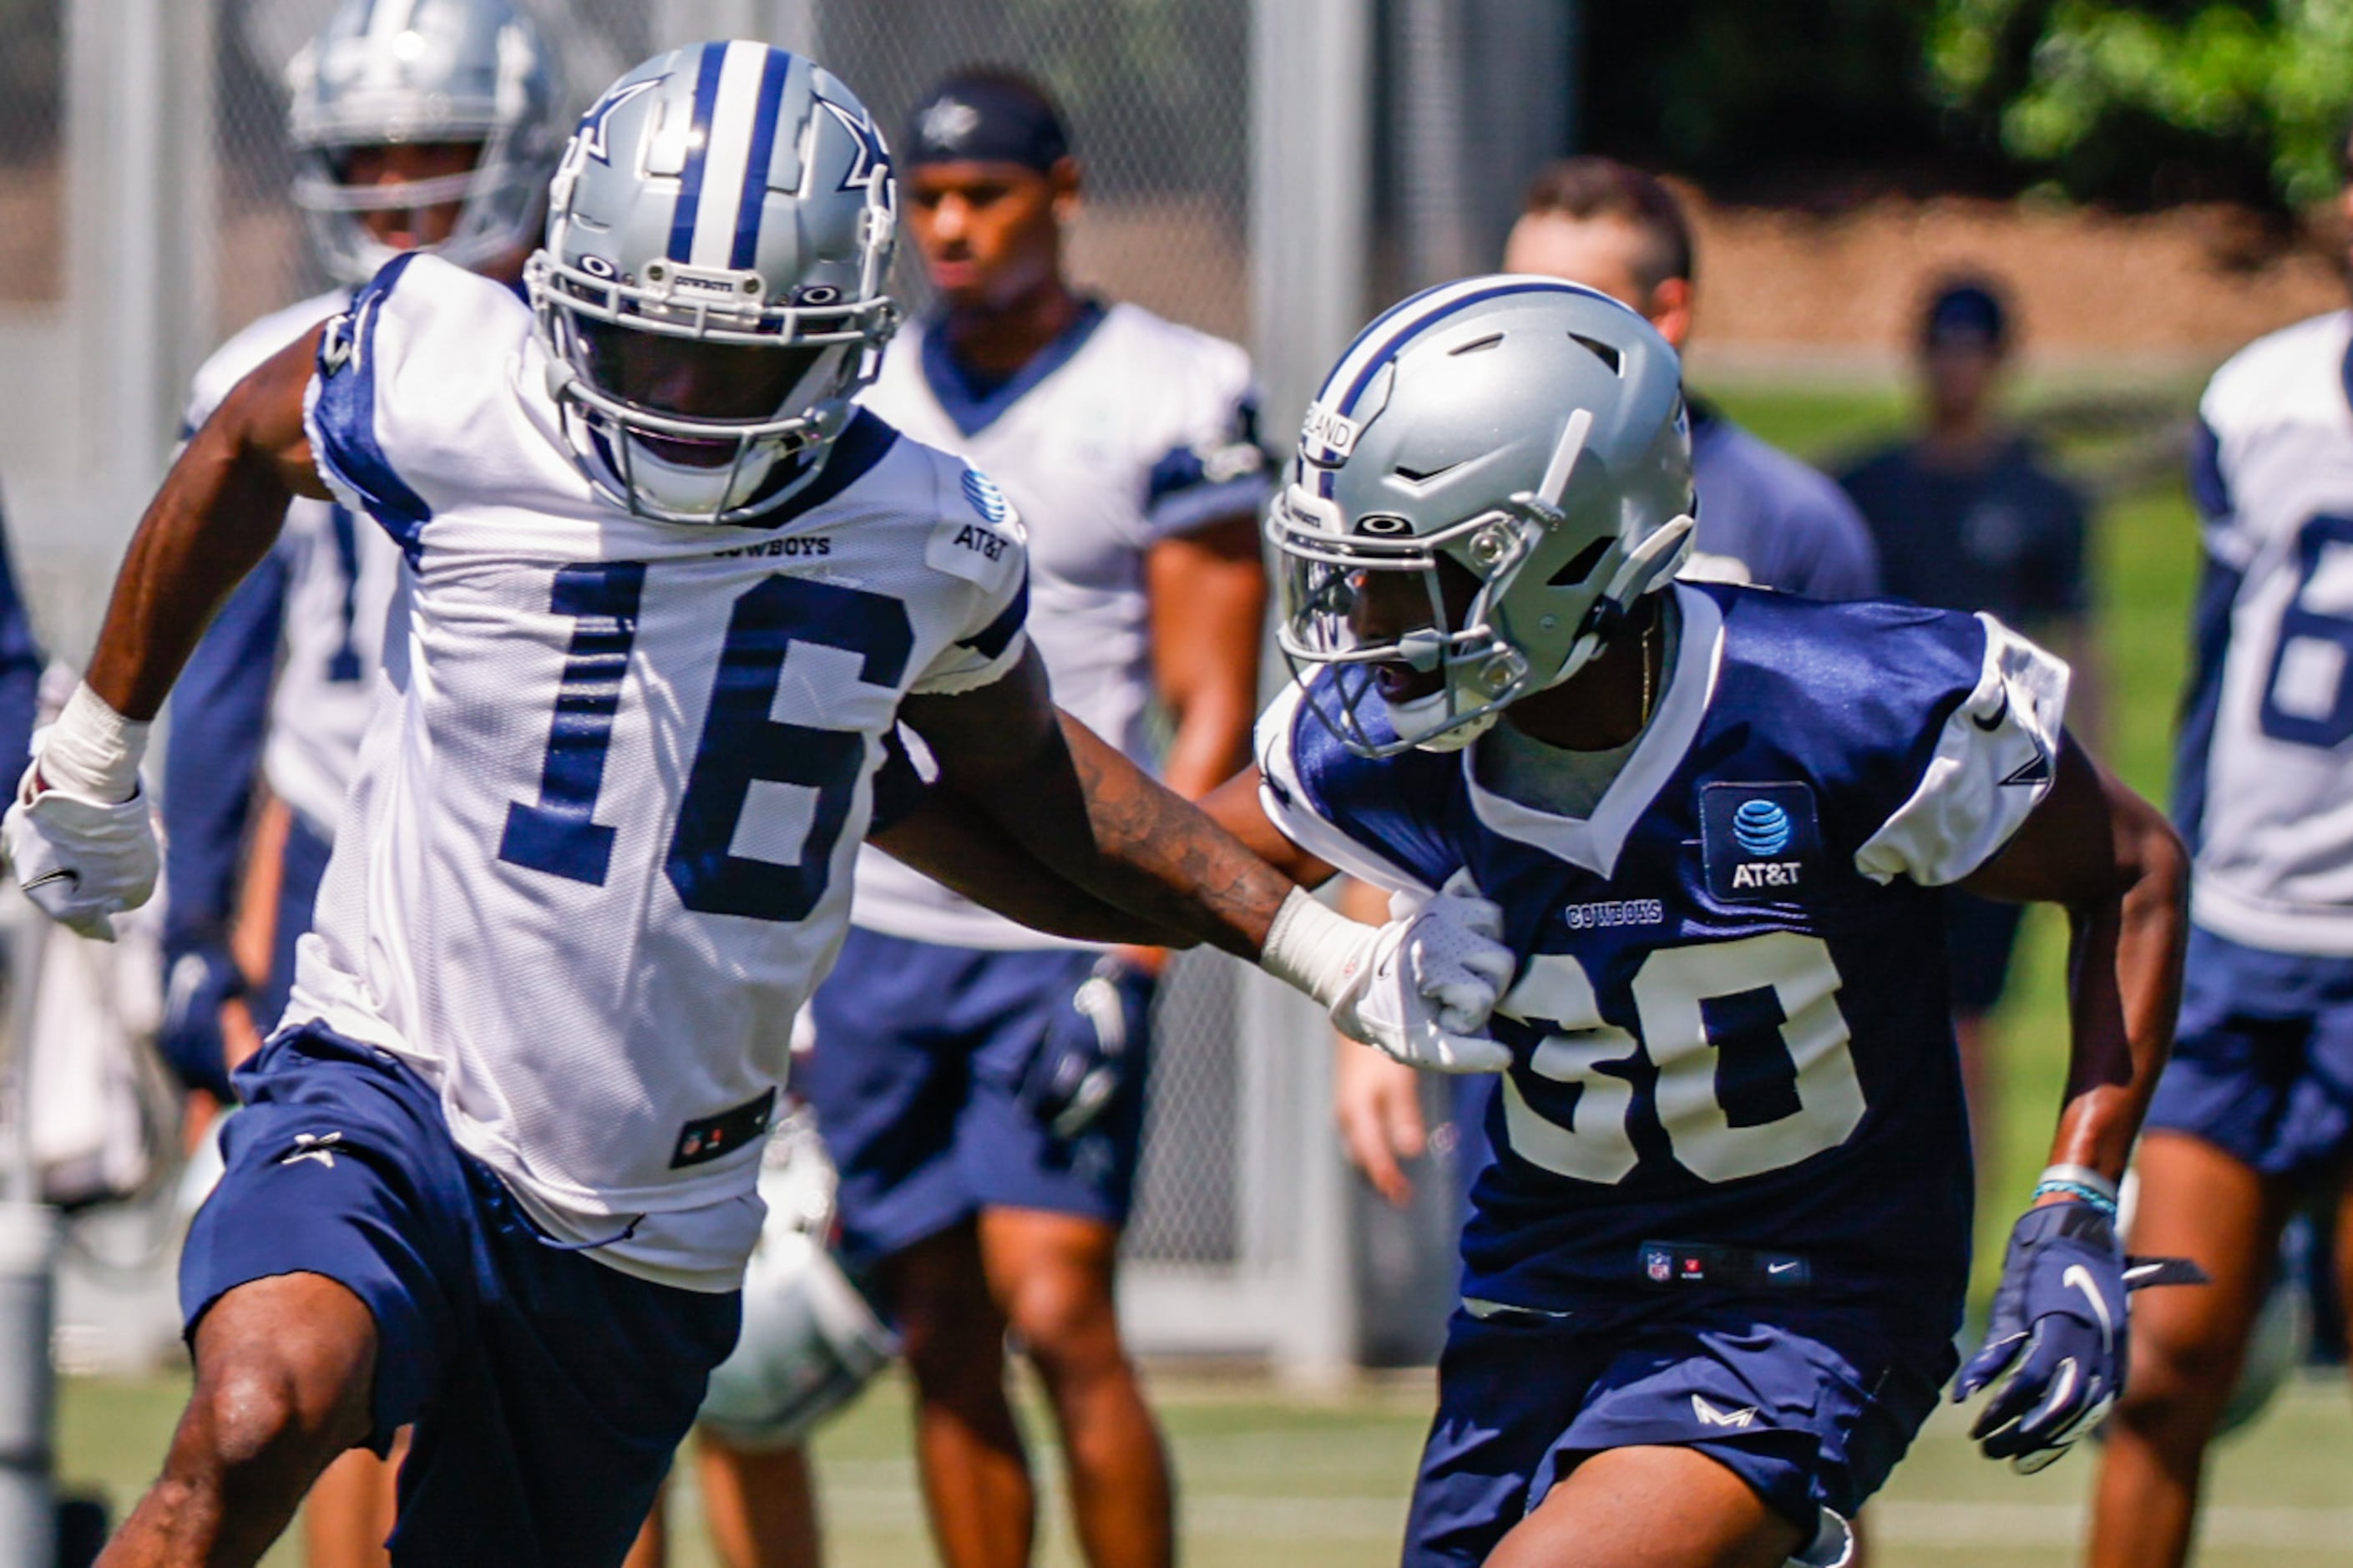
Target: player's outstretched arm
(1094,819)
(78,835)
(2059,1318)
(1062,798)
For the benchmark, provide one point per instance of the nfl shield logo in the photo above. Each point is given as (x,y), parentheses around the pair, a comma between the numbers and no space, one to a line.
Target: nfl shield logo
(1659,1267)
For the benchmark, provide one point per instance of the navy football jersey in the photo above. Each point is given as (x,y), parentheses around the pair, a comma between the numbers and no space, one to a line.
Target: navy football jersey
(1730,1024)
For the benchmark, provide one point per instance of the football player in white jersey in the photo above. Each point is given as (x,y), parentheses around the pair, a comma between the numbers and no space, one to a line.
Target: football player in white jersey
(2255,1114)
(986,1112)
(665,593)
(418,124)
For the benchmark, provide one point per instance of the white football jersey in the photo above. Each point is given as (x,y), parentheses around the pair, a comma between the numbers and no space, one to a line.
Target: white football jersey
(340,573)
(1128,430)
(600,845)
(2264,779)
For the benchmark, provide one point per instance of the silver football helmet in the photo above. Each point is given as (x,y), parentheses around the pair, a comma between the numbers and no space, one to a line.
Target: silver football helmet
(1518,450)
(383,72)
(809,1340)
(733,203)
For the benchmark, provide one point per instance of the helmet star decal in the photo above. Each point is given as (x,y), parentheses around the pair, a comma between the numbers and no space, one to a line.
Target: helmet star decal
(873,159)
(592,125)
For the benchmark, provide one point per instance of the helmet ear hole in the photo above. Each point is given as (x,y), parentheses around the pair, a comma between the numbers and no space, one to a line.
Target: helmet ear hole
(1580,566)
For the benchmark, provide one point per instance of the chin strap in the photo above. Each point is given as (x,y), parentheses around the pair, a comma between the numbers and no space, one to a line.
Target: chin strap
(1646,566)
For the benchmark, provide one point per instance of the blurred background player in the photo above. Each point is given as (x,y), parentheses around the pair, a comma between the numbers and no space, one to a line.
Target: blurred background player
(2254,1115)
(1765,518)
(417,124)
(981,1087)
(1970,515)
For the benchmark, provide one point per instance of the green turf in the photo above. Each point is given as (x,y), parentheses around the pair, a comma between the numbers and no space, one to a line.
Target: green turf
(1312,1482)
(1320,1482)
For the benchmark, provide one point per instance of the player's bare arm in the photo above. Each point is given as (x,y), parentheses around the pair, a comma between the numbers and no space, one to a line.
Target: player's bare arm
(2060,1318)
(2114,861)
(219,511)
(78,837)
(1094,817)
(1207,589)
(953,840)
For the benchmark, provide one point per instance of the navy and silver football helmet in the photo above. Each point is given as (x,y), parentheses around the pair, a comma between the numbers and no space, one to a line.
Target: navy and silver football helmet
(383,72)
(728,197)
(1523,437)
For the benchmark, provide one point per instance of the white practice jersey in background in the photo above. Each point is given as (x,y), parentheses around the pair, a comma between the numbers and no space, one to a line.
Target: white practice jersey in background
(1128,430)
(2264,780)
(340,571)
(599,848)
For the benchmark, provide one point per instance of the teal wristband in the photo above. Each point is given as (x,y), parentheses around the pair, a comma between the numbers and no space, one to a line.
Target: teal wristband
(2081,1192)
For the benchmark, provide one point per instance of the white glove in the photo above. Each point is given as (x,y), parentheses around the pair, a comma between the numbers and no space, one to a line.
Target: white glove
(78,854)
(80,860)
(1418,989)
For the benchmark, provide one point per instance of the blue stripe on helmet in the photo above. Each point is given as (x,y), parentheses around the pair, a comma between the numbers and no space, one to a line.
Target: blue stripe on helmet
(698,145)
(769,107)
(1423,323)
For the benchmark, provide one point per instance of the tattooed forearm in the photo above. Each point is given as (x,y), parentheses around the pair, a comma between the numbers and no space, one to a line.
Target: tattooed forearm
(1092,818)
(1157,853)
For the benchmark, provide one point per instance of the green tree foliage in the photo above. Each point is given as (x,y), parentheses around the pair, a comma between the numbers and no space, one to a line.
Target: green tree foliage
(2216,96)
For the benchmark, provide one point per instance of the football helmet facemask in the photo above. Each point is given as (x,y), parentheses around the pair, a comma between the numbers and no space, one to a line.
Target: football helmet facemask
(714,290)
(1489,480)
(387,72)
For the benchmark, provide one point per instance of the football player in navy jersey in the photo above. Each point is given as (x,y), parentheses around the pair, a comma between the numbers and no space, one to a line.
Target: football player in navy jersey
(1711,1280)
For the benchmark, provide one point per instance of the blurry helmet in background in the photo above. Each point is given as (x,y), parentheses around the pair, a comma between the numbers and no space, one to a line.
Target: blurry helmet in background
(1527,433)
(809,1340)
(728,194)
(384,72)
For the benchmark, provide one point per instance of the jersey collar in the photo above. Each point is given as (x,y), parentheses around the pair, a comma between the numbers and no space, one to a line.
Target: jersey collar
(972,405)
(1595,842)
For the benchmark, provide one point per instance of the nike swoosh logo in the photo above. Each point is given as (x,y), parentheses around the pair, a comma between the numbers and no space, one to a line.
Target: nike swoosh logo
(2000,713)
(2080,1278)
(59,875)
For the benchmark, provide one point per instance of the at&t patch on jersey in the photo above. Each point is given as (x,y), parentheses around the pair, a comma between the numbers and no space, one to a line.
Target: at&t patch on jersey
(1759,842)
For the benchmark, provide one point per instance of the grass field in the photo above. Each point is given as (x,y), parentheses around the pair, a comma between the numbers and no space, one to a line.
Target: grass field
(1320,1481)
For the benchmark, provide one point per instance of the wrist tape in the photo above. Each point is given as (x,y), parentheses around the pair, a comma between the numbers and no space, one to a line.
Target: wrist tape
(93,751)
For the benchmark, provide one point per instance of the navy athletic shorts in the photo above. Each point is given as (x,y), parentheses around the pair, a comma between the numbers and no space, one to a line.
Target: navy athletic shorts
(1811,1404)
(2262,1058)
(916,1081)
(548,1390)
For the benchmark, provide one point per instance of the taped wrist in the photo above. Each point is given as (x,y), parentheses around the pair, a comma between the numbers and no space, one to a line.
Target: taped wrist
(1318,950)
(93,751)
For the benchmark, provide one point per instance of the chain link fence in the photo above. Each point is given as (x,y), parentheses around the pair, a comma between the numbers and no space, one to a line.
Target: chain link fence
(32,171)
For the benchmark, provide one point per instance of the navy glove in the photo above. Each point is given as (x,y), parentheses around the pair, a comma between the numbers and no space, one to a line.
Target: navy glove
(198,978)
(1089,1049)
(2059,1318)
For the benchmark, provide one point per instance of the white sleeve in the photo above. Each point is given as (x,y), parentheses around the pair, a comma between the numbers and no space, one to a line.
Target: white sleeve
(1212,468)
(1994,762)
(979,540)
(1292,808)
